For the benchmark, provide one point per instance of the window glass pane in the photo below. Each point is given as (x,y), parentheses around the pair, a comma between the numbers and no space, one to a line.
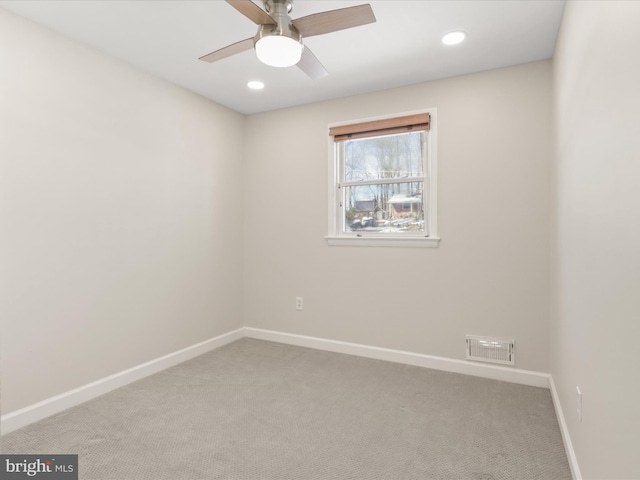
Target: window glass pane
(385,208)
(388,156)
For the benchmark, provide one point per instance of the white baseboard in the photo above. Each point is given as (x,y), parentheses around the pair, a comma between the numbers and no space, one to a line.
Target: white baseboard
(566,439)
(51,406)
(38,411)
(513,375)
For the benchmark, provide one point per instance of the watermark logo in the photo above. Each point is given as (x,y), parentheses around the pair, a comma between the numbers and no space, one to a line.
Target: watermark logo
(39,467)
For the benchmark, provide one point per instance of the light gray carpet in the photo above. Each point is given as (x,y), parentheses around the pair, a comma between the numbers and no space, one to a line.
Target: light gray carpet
(262,410)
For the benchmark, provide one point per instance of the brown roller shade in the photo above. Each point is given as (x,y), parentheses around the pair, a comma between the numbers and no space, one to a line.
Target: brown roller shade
(381,127)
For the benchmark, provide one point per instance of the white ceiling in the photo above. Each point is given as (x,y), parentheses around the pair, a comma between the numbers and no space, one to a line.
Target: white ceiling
(166,37)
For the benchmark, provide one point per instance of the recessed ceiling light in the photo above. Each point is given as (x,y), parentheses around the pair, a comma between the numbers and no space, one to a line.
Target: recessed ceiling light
(255,85)
(453,38)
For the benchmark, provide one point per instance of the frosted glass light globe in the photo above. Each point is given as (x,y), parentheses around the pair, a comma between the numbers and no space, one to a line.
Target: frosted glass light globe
(278,51)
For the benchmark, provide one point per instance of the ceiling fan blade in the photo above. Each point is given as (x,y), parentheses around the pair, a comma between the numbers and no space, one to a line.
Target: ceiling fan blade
(252,12)
(228,51)
(310,65)
(334,20)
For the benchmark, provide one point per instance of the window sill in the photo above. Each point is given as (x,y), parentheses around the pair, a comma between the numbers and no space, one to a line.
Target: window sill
(420,242)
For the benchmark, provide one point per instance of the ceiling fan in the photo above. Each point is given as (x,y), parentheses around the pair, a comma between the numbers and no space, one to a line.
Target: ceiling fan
(279,39)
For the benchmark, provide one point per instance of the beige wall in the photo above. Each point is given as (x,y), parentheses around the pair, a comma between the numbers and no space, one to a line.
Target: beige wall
(490,274)
(117,245)
(596,321)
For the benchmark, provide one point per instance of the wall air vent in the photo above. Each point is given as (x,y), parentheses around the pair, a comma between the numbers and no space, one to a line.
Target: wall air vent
(491,349)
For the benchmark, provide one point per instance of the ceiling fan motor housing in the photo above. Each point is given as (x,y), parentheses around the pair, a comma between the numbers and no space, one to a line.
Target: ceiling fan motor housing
(280,30)
(279,11)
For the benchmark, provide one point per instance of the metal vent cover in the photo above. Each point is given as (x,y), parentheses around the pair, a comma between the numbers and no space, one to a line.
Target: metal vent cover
(491,349)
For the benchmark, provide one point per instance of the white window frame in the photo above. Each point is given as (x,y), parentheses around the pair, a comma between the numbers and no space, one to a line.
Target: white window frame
(336,237)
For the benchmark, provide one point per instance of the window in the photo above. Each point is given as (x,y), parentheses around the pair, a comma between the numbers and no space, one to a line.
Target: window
(382,182)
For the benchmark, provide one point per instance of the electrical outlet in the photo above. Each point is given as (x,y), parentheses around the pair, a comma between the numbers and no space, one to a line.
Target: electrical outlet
(579,403)
(298,303)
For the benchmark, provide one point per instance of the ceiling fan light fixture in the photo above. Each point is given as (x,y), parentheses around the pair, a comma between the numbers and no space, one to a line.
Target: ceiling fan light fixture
(278,50)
